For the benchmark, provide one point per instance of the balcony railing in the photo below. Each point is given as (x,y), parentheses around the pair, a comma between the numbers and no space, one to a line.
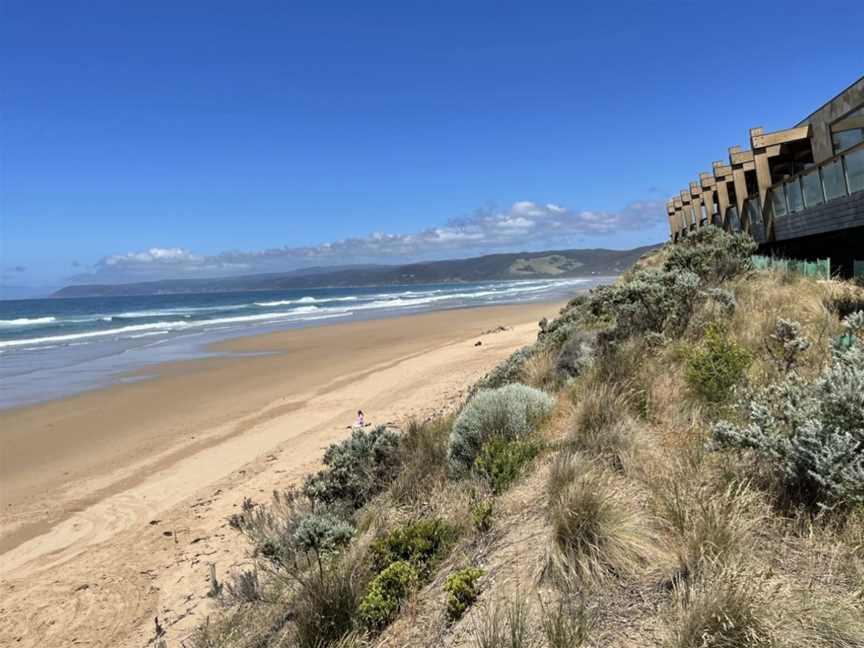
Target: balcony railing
(835,178)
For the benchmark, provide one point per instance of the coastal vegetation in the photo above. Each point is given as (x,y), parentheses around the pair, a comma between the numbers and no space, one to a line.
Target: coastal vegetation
(677,461)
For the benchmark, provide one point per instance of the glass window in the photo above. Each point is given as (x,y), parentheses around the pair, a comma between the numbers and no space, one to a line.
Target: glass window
(847,139)
(794,197)
(812,189)
(855,170)
(848,130)
(778,202)
(833,180)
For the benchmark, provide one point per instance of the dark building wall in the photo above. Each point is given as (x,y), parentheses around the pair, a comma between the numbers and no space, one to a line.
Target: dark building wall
(843,247)
(838,214)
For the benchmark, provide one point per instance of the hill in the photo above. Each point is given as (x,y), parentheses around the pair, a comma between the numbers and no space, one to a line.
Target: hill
(491,267)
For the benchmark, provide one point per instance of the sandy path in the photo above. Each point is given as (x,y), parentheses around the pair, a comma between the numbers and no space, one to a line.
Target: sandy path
(141,544)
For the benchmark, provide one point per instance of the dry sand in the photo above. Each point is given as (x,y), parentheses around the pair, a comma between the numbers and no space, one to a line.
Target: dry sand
(114,502)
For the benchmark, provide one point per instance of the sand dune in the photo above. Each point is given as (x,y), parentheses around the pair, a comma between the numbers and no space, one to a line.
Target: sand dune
(120,524)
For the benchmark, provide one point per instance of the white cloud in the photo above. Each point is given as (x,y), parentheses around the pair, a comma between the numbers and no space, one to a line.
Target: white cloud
(524,225)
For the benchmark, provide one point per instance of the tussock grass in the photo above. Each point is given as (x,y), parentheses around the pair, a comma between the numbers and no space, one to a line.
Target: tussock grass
(566,622)
(541,371)
(601,424)
(504,624)
(423,449)
(597,530)
(707,525)
(725,609)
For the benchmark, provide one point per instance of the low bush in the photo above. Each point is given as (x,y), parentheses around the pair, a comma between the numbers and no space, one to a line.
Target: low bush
(420,543)
(596,531)
(244,587)
(716,365)
(271,528)
(510,412)
(461,588)
(809,435)
(501,461)
(483,515)
(577,354)
(653,301)
(386,593)
(713,254)
(357,468)
(320,533)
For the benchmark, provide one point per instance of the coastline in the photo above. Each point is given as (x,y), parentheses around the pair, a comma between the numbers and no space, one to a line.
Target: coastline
(88,475)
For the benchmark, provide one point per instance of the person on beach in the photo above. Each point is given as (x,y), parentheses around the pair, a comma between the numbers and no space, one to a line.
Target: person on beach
(361,420)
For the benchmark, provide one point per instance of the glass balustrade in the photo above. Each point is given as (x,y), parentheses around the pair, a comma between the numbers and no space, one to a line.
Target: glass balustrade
(833,181)
(812,187)
(794,199)
(855,170)
(778,201)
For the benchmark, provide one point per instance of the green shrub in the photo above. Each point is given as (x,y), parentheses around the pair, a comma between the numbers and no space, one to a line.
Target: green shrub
(482,515)
(501,461)
(357,468)
(712,254)
(510,412)
(420,543)
(716,366)
(386,593)
(462,591)
(810,435)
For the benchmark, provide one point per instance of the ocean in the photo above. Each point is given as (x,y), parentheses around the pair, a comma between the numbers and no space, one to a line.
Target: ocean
(50,348)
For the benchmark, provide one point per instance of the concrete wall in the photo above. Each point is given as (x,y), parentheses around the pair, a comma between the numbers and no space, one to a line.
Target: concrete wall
(838,214)
(821,120)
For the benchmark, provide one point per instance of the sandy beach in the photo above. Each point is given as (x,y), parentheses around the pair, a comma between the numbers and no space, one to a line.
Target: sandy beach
(114,502)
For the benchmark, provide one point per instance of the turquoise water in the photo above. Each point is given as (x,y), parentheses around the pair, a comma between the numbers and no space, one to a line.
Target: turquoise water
(54,347)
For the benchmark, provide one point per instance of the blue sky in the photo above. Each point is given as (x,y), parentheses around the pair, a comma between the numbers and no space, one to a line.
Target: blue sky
(142,140)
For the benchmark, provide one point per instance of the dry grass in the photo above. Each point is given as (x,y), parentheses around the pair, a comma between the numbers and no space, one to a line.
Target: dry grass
(707,525)
(423,447)
(540,371)
(763,300)
(601,425)
(597,530)
(725,609)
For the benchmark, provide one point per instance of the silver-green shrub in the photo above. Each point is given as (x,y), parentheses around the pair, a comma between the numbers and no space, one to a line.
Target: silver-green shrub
(510,412)
(653,301)
(356,469)
(712,254)
(809,434)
